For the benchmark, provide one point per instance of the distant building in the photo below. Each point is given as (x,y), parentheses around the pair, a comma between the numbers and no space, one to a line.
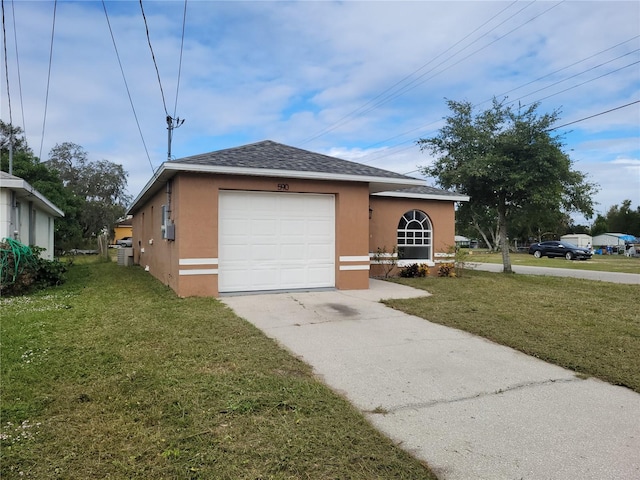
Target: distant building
(578,239)
(613,242)
(124,228)
(26,215)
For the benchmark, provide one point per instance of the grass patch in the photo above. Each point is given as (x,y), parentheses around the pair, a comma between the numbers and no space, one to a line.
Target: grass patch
(599,263)
(113,376)
(590,327)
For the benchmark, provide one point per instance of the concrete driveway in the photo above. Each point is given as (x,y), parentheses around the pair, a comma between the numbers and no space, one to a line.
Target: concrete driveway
(470,408)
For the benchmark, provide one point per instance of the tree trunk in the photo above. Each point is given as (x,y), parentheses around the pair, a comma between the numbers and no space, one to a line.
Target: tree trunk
(504,240)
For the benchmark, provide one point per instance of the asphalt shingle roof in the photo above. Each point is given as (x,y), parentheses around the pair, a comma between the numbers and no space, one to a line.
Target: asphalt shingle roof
(276,156)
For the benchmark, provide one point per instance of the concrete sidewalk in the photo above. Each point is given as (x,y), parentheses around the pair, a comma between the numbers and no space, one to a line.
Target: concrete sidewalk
(470,408)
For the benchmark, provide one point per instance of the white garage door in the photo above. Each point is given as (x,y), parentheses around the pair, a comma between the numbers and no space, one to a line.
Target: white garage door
(275,241)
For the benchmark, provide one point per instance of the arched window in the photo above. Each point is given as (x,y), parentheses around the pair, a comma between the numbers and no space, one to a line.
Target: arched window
(414,236)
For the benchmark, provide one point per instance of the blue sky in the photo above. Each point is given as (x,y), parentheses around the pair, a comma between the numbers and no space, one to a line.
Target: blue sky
(358,80)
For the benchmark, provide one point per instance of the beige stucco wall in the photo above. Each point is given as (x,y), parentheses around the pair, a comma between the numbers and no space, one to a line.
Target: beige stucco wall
(194,210)
(386,213)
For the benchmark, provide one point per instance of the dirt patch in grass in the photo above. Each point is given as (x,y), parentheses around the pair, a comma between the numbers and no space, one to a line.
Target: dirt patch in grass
(116,377)
(590,327)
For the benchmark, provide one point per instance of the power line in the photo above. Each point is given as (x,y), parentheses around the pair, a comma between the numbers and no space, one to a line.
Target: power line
(15,37)
(343,119)
(563,68)
(46,98)
(414,83)
(164,103)
(377,157)
(135,115)
(6,67)
(595,115)
(184,22)
(586,81)
(577,75)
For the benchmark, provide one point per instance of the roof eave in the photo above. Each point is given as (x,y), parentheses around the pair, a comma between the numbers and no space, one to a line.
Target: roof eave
(424,196)
(21,186)
(170,169)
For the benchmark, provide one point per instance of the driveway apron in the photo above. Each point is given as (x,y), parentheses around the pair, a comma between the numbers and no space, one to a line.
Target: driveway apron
(470,408)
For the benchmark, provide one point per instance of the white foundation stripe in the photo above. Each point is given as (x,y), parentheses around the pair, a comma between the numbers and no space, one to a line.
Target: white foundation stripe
(198,261)
(204,271)
(354,267)
(363,258)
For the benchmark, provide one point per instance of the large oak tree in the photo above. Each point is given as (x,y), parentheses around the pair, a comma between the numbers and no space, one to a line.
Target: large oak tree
(508,161)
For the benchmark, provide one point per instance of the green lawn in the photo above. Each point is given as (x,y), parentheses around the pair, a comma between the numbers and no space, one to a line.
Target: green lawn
(602,263)
(590,327)
(112,376)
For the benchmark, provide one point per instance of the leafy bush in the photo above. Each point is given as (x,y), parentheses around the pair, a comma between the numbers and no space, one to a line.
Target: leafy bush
(447,270)
(22,270)
(415,270)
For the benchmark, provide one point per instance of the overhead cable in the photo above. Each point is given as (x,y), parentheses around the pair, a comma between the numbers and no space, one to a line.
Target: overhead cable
(342,121)
(124,78)
(6,67)
(153,57)
(414,83)
(184,22)
(46,98)
(15,38)
(595,115)
(377,157)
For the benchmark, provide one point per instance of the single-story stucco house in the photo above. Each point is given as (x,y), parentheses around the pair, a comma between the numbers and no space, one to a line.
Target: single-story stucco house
(267,216)
(26,215)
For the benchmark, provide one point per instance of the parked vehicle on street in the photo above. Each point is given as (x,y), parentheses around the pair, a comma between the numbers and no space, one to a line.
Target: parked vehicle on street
(555,248)
(125,242)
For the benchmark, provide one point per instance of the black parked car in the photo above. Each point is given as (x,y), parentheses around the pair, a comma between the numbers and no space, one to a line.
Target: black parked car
(555,248)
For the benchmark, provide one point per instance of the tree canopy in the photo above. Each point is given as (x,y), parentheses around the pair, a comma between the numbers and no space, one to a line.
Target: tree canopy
(510,164)
(102,185)
(92,194)
(619,219)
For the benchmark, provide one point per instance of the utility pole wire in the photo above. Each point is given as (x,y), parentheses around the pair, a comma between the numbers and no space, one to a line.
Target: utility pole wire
(15,38)
(164,103)
(6,70)
(184,22)
(594,115)
(390,89)
(46,98)
(388,153)
(124,78)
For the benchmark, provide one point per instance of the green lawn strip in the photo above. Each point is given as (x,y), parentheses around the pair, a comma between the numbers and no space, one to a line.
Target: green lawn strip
(599,263)
(590,327)
(116,377)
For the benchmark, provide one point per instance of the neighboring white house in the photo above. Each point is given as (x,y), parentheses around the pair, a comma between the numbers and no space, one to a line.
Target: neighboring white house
(26,215)
(578,239)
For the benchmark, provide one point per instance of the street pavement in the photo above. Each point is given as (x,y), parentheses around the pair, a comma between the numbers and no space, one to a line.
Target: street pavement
(612,277)
(468,407)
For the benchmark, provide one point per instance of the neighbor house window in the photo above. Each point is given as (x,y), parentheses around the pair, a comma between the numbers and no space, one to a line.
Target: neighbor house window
(414,236)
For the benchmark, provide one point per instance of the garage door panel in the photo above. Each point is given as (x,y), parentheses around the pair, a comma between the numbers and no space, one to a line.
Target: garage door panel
(321,252)
(264,253)
(271,241)
(262,226)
